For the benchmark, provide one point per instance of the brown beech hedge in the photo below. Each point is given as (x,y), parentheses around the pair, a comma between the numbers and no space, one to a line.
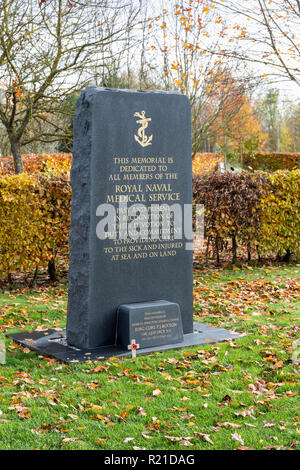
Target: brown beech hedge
(257,211)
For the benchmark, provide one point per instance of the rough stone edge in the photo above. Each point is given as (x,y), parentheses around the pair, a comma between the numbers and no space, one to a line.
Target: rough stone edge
(79,264)
(132,91)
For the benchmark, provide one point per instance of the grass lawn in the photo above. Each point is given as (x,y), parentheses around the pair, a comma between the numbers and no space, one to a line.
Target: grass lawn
(237,394)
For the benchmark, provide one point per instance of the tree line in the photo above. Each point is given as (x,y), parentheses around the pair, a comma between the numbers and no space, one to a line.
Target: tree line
(52,49)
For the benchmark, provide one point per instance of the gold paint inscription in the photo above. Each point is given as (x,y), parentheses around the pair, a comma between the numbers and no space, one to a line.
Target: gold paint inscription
(141,138)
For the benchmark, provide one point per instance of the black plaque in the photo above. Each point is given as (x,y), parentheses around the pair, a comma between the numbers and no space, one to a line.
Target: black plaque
(135,144)
(149,324)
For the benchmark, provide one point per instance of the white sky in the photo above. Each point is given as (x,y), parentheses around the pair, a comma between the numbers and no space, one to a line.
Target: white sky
(289,90)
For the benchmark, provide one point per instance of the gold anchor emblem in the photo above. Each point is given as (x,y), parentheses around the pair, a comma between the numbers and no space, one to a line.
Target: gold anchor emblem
(141,138)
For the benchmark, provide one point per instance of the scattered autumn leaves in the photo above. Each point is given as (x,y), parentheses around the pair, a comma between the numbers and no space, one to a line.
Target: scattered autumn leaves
(237,395)
(242,296)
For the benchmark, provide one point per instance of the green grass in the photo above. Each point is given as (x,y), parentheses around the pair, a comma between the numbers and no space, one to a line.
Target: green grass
(203,397)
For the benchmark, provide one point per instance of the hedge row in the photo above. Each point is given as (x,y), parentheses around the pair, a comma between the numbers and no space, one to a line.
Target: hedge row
(33,163)
(35,220)
(206,163)
(258,211)
(203,163)
(272,161)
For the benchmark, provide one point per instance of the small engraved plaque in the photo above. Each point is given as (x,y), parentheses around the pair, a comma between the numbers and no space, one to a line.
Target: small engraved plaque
(149,324)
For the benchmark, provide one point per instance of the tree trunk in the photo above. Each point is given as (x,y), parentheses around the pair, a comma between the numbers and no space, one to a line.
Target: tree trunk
(207,251)
(52,270)
(10,281)
(242,155)
(217,250)
(33,282)
(234,249)
(249,251)
(15,150)
(258,254)
(287,256)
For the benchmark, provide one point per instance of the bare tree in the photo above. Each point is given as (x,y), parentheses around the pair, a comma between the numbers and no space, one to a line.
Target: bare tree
(183,40)
(264,32)
(49,50)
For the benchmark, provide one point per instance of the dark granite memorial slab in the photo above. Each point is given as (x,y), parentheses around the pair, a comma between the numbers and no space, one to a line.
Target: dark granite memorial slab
(138,145)
(133,145)
(149,324)
(52,343)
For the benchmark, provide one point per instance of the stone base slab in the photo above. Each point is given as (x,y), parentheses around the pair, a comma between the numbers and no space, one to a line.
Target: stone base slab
(52,343)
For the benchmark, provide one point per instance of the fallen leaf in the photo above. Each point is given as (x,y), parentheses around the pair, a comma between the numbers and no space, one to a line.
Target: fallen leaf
(206,437)
(237,438)
(101,441)
(69,439)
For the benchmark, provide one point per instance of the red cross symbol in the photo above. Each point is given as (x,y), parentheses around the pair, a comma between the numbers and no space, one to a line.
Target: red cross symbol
(133,346)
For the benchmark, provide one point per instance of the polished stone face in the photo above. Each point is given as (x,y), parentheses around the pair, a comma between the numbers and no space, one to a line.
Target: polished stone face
(135,145)
(149,324)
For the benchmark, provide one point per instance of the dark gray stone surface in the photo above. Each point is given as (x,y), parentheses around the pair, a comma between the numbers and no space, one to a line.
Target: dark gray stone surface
(149,324)
(52,343)
(79,271)
(105,128)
